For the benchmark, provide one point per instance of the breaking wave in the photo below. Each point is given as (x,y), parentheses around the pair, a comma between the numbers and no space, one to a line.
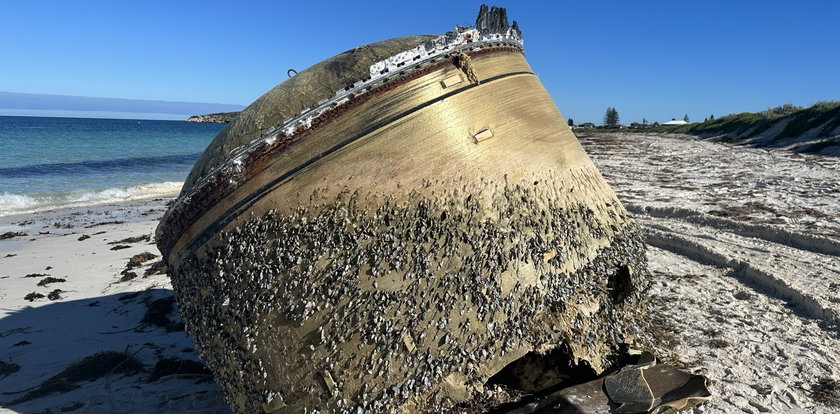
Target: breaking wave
(28,203)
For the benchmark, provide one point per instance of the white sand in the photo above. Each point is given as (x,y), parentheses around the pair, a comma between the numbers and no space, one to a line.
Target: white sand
(745,265)
(92,315)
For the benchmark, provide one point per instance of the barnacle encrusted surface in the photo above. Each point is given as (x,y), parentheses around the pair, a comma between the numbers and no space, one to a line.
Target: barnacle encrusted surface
(413,303)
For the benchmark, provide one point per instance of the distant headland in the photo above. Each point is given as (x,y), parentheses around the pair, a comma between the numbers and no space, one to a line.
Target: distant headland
(34,104)
(216,118)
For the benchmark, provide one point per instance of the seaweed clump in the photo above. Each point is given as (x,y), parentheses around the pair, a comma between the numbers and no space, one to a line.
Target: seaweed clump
(90,368)
(8,368)
(167,367)
(157,313)
(827,391)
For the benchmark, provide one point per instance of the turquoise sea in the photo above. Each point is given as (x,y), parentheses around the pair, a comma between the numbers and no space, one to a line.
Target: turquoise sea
(53,162)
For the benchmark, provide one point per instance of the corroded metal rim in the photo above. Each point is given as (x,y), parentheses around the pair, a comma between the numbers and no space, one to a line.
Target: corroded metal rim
(248,161)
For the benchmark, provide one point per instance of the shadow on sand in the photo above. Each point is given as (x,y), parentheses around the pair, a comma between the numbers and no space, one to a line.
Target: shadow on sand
(118,353)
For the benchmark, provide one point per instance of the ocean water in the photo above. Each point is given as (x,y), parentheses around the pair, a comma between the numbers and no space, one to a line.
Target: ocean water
(54,162)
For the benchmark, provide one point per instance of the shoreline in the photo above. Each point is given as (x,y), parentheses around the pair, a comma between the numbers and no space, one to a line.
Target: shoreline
(16,204)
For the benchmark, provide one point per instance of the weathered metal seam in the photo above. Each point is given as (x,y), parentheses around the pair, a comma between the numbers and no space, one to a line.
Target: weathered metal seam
(221,182)
(255,196)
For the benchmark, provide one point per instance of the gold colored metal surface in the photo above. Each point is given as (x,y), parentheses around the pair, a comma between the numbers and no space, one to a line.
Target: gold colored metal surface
(451,81)
(301,91)
(442,118)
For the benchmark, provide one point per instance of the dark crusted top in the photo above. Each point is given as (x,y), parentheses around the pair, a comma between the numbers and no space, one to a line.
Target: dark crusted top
(288,99)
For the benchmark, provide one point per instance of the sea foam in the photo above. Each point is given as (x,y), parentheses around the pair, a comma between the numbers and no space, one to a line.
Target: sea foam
(22,203)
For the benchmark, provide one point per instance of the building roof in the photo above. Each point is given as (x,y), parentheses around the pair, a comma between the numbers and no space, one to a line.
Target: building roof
(675,122)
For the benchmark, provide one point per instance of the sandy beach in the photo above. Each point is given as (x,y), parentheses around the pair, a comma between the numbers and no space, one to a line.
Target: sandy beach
(79,332)
(743,249)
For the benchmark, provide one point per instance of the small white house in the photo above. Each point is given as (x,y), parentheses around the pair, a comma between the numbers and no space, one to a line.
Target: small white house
(675,122)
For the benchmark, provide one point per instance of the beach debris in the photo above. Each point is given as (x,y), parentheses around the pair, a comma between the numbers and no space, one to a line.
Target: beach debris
(156,268)
(83,237)
(32,296)
(827,391)
(131,296)
(10,234)
(644,387)
(136,239)
(159,312)
(55,294)
(126,276)
(138,259)
(72,407)
(47,280)
(36,275)
(179,367)
(104,223)
(120,247)
(90,368)
(134,262)
(48,268)
(150,212)
(8,368)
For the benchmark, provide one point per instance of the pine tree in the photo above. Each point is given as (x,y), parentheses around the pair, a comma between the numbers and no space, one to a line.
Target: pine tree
(685,118)
(712,117)
(571,122)
(644,121)
(611,118)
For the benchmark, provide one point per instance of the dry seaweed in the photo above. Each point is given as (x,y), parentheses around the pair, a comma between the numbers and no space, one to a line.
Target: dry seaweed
(175,366)
(104,223)
(10,234)
(47,280)
(138,259)
(158,313)
(8,368)
(827,391)
(137,239)
(90,368)
(55,294)
(157,268)
(126,276)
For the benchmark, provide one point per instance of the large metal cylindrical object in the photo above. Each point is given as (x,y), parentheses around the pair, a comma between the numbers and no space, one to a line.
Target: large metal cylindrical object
(392,245)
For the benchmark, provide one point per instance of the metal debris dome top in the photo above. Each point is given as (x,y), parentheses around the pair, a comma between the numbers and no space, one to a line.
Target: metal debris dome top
(290,107)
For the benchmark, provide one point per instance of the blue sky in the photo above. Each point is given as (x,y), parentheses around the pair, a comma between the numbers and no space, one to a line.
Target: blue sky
(649,59)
